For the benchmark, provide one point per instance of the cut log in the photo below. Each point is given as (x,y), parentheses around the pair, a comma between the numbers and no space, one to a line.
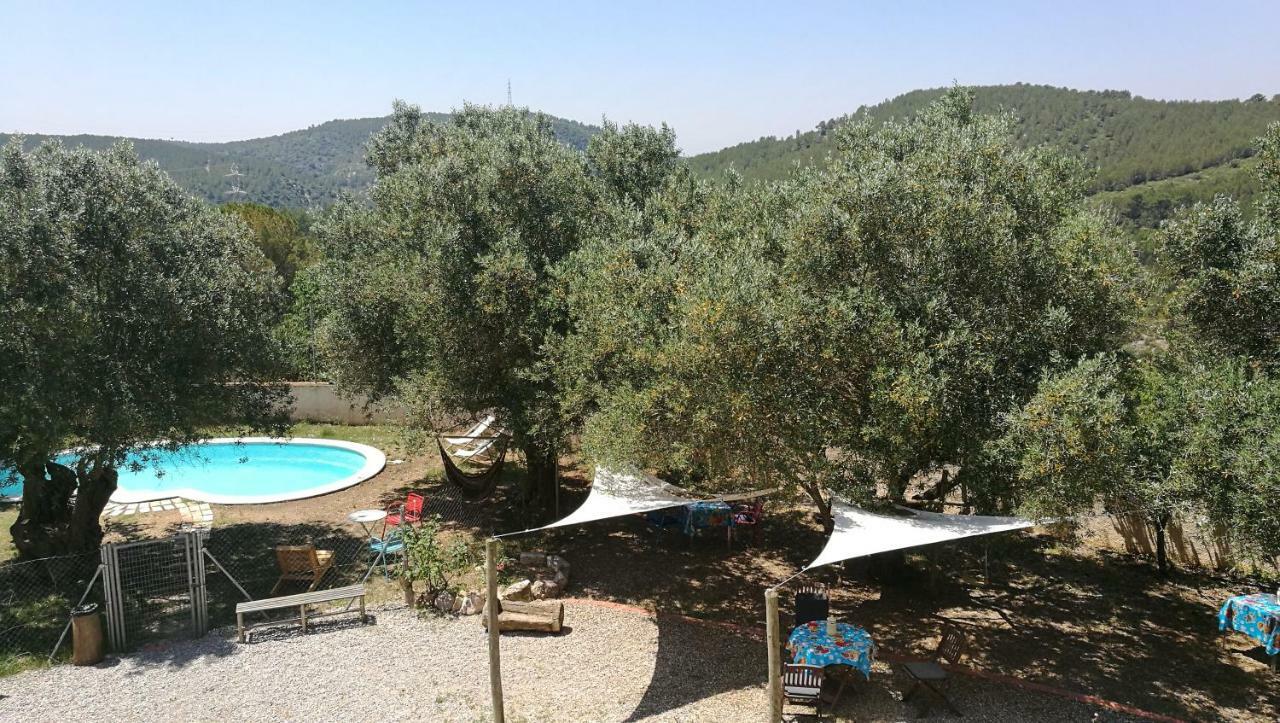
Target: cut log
(545,616)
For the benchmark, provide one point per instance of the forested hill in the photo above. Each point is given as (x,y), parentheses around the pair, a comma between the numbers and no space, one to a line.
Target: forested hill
(1129,140)
(293,170)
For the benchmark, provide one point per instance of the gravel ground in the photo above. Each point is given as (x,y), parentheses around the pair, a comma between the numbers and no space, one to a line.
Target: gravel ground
(609,665)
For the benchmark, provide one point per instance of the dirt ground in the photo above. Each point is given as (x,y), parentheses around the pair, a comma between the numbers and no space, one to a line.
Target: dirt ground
(1036,607)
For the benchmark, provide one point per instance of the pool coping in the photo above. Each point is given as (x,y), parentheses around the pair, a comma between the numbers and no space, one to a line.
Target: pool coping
(374,462)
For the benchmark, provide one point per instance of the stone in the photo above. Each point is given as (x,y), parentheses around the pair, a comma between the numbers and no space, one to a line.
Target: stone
(533,558)
(517,591)
(444,602)
(543,589)
(457,603)
(472,604)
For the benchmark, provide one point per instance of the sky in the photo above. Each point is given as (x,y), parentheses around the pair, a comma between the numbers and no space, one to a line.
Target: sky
(719,73)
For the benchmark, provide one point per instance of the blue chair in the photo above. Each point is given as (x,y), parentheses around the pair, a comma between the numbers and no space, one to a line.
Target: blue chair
(382,549)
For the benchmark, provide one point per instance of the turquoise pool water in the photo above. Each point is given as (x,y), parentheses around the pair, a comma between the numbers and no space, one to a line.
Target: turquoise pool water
(239,472)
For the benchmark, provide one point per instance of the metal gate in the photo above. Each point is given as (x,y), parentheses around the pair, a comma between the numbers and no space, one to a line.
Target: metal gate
(154,589)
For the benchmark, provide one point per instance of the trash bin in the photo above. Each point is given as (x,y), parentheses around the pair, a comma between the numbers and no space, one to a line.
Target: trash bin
(87,644)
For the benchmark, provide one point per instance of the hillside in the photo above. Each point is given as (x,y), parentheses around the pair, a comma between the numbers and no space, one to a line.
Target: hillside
(1128,140)
(293,170)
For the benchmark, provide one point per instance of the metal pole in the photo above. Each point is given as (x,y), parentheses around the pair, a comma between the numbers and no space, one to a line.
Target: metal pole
(491,615)
(775,654)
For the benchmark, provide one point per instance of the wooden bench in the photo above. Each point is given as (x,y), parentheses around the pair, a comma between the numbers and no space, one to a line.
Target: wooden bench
(301,601)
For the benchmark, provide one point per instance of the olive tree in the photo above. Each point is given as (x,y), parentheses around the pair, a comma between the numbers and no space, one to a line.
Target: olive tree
(854,327)
(132,316)
(447,290)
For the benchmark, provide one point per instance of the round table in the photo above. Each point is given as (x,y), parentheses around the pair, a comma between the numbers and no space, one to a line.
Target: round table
(809,644)
(367,517)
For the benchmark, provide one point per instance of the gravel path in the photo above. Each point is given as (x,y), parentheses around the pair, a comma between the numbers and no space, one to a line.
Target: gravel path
(610,665)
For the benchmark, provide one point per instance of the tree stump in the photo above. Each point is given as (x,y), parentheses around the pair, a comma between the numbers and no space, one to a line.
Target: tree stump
(546,616)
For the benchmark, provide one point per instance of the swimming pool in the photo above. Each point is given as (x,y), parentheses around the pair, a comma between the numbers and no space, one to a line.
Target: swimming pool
(239,471)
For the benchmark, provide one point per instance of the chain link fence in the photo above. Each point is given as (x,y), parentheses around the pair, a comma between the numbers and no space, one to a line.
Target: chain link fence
(36,598)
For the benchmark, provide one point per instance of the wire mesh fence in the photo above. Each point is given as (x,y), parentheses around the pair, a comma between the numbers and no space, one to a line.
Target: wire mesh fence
(36,598)
(247,565)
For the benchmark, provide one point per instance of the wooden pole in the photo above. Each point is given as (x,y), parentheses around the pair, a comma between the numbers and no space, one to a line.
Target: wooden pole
(491,611)
(772,635)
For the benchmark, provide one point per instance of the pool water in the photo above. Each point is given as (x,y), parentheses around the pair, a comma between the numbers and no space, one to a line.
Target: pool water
(244,471)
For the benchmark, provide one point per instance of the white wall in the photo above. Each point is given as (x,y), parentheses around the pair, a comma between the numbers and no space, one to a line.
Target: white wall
(320,402)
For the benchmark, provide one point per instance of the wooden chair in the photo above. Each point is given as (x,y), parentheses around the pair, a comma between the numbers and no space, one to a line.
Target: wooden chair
(951,649)
(802,685)
(812,603)
(302,563)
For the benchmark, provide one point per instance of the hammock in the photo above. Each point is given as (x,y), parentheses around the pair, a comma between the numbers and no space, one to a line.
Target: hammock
(473,485)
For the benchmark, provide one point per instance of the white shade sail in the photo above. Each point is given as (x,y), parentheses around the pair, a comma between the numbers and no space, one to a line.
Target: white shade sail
(615,494)
(859,533)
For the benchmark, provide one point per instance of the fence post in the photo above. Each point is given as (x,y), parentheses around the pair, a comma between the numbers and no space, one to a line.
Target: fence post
(491,613)
(111,596)
(775,654)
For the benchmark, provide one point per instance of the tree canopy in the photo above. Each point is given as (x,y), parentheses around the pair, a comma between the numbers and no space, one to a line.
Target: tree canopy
(853,327)
(131,313)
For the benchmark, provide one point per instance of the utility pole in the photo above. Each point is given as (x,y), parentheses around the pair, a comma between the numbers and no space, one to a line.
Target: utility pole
(508,92)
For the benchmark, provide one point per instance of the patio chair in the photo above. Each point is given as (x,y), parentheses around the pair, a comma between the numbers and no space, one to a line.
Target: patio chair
(812,604)
(951,648)
(802,685)
(409,511)
(749,516)
(302,563)
(383,548)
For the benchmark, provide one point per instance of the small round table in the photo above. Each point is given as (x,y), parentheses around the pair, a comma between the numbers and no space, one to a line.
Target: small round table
(809,644)
(367,517)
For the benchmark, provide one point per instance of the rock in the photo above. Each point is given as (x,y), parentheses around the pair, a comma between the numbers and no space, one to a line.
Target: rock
(543,589)
(444,602)
(533,558)
(457,603)
(472,604)
(517,591)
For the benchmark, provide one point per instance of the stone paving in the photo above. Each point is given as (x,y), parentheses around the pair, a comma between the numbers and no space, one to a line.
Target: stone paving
(193,513)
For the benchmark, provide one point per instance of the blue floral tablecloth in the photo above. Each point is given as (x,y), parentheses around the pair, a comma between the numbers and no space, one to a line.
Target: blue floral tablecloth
(1257,616)
(809,644)
(701,515)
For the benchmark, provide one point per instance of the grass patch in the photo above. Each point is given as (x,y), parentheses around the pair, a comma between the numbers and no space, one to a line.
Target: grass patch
(383,436)
(8,515)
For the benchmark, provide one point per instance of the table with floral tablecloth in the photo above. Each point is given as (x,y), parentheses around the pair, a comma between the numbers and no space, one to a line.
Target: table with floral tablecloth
(701,515)
(810,644)
(1257,616)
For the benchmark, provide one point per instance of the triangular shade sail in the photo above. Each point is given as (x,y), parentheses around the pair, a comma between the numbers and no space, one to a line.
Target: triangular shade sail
(859,533)
(615,494)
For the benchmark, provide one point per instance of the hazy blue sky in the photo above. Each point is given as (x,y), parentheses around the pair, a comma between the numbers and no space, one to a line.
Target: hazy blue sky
(717,72)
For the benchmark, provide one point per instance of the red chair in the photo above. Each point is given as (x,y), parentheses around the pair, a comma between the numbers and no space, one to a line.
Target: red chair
(750,516)
(409,511)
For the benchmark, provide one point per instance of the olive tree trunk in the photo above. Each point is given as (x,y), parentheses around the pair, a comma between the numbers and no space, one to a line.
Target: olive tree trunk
(52,521)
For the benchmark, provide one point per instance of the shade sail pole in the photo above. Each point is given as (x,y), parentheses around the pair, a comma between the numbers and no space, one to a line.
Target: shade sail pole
(491,613)
(774,639)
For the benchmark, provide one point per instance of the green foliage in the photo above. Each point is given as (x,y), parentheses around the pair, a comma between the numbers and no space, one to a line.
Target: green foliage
(281,236)
(429,560)
(131,313)
(851,327)
(444,290)
(1228,269)
(299,169)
